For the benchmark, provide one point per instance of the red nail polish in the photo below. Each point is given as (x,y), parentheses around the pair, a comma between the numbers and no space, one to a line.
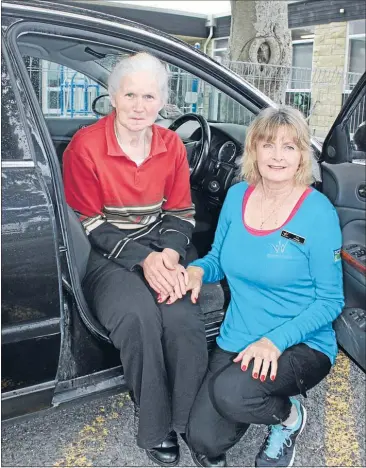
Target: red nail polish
(244,368)
(263,378)
(255,375)
(273,377)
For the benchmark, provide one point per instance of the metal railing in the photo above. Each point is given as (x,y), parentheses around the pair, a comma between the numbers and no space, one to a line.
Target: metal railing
(65,93)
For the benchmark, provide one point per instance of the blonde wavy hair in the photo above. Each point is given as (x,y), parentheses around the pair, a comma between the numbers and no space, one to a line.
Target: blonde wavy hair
(265,128)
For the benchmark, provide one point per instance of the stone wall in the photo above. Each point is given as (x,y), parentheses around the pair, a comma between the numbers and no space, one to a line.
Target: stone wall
(329,53)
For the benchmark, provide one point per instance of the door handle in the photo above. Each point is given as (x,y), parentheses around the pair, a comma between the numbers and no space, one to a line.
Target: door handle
(362,191)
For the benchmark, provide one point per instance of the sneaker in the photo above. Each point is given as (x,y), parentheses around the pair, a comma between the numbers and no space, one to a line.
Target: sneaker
(278,448)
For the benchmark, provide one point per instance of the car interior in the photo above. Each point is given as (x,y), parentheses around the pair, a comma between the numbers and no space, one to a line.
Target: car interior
(214,146)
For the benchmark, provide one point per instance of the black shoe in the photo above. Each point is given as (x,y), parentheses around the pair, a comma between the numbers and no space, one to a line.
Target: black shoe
(166,453)
(202,460)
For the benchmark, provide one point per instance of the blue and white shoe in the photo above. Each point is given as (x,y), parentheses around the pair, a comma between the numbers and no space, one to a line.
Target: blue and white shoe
(278,449)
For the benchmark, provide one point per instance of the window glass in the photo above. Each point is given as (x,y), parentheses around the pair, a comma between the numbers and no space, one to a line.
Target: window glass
(61,91)
(221,43)
(189,94)
(14,143)
(220,50)
(357,27)
(356,126)
(302,59)
(220,55)
(357,55)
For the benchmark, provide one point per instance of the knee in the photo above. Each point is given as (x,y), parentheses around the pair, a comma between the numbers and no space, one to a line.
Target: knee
(183,316)
(134,325)
(225,397)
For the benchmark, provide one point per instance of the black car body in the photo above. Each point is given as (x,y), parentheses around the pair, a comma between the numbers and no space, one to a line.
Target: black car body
(54,351)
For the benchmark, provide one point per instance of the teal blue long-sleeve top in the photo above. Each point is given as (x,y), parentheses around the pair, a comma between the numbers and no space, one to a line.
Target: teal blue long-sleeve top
(289,292)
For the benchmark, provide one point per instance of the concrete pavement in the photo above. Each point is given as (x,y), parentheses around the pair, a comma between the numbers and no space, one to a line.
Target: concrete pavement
(102,432)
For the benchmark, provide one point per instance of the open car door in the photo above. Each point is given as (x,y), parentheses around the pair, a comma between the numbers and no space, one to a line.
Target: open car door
(344,183)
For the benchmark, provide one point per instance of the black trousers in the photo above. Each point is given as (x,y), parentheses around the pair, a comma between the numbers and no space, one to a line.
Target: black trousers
(163,347)
(229,399)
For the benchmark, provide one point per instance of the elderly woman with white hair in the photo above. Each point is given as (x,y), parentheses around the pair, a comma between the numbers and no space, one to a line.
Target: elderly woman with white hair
(128,180)
(278,243)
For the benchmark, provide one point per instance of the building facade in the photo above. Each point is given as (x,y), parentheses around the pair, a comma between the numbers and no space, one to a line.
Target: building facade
(328,43)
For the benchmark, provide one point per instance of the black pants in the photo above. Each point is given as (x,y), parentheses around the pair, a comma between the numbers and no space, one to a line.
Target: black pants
(163,348)
(229,399)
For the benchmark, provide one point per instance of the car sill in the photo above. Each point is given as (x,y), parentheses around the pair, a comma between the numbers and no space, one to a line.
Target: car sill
(17,164)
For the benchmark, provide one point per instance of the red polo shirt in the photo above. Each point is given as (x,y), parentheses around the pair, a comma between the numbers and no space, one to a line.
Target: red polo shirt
(103,184)
(100,179)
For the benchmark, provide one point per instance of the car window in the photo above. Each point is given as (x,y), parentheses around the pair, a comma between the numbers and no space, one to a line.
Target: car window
(190,94)
(14,143)
(66,93)
(61,91)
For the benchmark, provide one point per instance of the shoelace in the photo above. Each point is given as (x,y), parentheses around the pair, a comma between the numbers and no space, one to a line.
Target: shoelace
(278,437)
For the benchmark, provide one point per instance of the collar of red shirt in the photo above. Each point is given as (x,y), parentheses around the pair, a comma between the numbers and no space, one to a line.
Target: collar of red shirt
(157,145)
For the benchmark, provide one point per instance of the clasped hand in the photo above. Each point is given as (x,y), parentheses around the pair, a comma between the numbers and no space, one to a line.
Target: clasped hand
(265,355)
(193,283)
(164,274)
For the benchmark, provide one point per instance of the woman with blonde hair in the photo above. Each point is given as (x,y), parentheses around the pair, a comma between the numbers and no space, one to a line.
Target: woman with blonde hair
(278,243)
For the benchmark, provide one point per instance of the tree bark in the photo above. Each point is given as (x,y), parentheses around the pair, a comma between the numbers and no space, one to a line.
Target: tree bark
(259,37)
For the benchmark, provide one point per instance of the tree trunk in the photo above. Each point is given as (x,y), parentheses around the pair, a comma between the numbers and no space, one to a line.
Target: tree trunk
(259,37)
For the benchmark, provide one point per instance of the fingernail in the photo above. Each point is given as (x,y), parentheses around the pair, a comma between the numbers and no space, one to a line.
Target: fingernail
(243,368)
(263,378)
(169,302)
(159,297)
(255,375)
(273,377)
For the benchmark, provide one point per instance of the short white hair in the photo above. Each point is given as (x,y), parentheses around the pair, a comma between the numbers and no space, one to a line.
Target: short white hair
(141,61)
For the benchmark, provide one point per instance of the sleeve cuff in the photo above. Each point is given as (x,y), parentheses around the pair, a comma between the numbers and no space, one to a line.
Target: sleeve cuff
(133,260)
(174,240)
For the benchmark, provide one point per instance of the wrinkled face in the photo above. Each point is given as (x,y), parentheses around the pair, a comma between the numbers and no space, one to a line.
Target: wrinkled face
(278,160)
(138,101)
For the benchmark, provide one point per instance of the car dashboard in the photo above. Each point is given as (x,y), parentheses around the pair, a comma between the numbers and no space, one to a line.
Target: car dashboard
(222,164)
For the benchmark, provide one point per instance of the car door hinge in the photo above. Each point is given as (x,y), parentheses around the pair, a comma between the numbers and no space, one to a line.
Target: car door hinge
(67,285)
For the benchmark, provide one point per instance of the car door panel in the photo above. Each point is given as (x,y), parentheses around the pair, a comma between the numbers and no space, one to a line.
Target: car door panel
(31,293)
(344,182)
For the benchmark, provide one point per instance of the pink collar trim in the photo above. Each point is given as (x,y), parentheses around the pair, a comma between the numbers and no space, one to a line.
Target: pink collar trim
(262,232)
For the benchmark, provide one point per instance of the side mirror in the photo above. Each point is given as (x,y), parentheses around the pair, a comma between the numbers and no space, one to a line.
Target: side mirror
(102,105)
(336,147)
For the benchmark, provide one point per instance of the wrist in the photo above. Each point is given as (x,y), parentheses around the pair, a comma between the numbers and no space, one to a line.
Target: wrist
(267,340)
(196,271)
(172,254)
(144,260)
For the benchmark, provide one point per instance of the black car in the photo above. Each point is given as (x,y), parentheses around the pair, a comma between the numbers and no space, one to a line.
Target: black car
(54,350)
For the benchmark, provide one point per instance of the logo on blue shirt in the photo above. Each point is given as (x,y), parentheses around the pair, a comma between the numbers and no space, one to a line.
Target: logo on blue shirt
(278,250)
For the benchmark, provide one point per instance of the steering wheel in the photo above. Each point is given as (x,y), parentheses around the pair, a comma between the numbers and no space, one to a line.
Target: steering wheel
(197,151)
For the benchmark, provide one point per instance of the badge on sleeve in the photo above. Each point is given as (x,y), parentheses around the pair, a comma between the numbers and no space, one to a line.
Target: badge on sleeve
(337,255)
(293,237)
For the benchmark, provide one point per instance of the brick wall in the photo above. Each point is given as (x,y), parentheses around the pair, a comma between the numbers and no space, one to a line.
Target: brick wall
(329,53)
